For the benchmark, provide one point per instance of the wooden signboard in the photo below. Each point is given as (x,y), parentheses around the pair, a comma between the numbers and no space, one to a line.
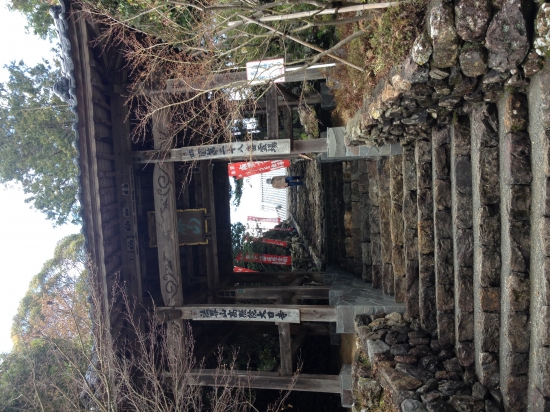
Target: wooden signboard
(191,224)
(249,313)
(250,149)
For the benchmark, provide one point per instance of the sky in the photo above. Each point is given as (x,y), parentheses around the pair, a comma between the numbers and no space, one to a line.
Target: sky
(27,239)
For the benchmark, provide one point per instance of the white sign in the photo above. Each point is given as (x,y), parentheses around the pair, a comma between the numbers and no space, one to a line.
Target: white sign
(261,71)
(247,313)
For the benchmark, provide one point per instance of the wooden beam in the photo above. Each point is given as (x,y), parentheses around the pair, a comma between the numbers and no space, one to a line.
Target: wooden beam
(285,347)
(164,190)
(309,146)
(276,277)
(287,122)
(275,292)
(308,313)
(213,270)
(272,113)
(266,380)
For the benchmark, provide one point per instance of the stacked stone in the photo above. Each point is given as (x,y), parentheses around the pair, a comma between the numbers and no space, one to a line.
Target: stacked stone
(539,125)
(424,203)
(443,233)
(463,256)
(515,159)
(348,217)
(385,226)
(410,219)
(397,227)
(363,187)
(486,221)
(356,222)
(411,371)
(374,223)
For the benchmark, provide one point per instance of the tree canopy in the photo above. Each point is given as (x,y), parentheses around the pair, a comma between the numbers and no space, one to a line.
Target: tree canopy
(36,139)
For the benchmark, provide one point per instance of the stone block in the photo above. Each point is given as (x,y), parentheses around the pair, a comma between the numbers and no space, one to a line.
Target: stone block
(517,158)
(490,299)
(387,279)
(425,237)
(398,260)
(409,168)
(424,203)
(518,363)
(427,306)
(374,219)
(426,272)
(443,224)
(518,333)
(461,137)
(488,170)
(400,288)
(472,19)
(384,176)
(397,224)
(464,326)
(411,244)
(424,175)
(473,60)
(441,30)
(489,330)
(442,194)
(398,381)
(414,371)
(410,213)
(423,152)
(485,124)
(376,276)
(375,245)
(444,271)
(441,156)
(489,228)
(516,116)
(489,373)
(377,350)
(515,392)
(520,246)
(366,255)
(445,298)
(463,174)
(446,328)
(489,270)
(519,202)
(506,37)
(464,245)
(545,283)
(545,325)
(412,405)
(467,403)
(464,288)
(538,402)
(517,290)
(546,211)
(349,243)
(463,211)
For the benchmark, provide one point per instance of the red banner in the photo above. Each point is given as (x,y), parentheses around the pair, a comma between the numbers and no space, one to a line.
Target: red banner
(244,169)
(268,241)
(237,269)
(265,258)
(264,219)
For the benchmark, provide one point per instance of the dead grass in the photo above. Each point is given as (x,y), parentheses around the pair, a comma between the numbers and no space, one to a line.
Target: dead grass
(389,37)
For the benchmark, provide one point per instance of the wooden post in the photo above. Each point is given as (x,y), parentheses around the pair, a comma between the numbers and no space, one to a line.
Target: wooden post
(166,218)
(272,113)
(287,121)
(285,347)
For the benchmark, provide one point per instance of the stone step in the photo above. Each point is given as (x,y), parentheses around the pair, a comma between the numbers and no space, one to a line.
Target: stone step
(539,351)
(443,234)
(424,202)
(463,259)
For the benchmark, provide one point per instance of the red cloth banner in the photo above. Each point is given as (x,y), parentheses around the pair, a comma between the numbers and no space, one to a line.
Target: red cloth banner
(268,241)
(237,269)
(245,169)
(265,258)
(264,219)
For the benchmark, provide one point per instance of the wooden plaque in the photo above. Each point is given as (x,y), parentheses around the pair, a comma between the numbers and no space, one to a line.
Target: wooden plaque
(249,313)
(192,227)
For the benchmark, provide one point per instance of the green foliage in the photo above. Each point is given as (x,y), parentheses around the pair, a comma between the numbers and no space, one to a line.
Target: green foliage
(36,139)
(257,352)
(55,303)
(237,192)
(37,12)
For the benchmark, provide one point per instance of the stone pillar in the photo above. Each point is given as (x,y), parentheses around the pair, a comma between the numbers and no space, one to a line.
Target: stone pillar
(515,163)
(424,202)
(374,222)
(486,221)
(363,184)
(397,227)
(539,351)
(443,233)
(410,218)
(385,227)
(463,256)
(348,217)
(356,220)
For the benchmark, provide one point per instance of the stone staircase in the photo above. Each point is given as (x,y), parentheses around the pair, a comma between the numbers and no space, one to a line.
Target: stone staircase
(457,227)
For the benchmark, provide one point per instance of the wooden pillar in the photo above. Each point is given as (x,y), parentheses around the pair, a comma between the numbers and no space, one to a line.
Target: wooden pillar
(285,347)
(213,271)
(272,113)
